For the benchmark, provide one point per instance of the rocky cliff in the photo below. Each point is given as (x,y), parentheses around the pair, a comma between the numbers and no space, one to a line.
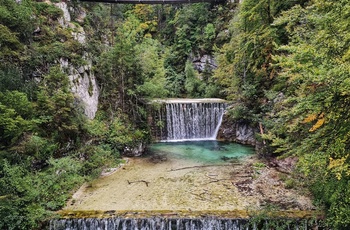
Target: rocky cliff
(238,131)
(83,82)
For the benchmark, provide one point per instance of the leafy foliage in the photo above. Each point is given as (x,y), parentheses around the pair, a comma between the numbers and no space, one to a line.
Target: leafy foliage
(42,128)
(25,196)
(286,67)
(315,67)
(15,115)
(55,107)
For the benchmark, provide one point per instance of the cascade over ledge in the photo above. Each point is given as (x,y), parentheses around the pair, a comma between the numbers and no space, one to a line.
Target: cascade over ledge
(180,119)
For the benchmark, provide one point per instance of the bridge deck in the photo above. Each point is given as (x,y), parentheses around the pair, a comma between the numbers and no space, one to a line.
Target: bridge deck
(152,1)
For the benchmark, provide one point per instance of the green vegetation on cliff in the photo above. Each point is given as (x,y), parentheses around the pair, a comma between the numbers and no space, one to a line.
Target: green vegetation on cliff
(289,61)
(48,147)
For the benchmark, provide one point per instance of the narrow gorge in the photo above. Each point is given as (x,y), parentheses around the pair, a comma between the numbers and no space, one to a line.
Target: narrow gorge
(192,116)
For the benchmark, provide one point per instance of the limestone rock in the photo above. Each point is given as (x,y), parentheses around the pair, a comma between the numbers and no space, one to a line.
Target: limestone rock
(83,82)
(64,21)
(84,87)
(134,151)
(240,132)
(204,62)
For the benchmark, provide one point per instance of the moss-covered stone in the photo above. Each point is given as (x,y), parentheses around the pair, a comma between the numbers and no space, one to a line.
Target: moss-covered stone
(232,214)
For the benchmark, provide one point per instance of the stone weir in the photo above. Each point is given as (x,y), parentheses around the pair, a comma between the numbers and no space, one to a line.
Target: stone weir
(149,224)
(172,221)
(186,119)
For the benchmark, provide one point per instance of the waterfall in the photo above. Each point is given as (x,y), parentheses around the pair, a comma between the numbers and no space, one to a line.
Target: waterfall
(161,223)
(154,223)
(191,119)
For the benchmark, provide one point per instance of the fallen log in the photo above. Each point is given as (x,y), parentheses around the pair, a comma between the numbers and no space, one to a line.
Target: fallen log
(202,166)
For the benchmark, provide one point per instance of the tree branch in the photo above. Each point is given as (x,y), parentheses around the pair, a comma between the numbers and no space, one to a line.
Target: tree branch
(138,181)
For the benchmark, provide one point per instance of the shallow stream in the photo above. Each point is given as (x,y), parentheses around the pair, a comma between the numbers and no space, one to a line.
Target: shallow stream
(182,185)
(172,176)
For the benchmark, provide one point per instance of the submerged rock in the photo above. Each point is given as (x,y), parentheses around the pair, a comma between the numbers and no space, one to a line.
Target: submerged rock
(229,159)
(158,158)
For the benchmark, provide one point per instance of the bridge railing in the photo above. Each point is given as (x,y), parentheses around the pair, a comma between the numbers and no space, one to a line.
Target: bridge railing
(152,1)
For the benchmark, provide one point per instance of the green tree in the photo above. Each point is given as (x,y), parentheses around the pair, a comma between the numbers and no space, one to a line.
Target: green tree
(193,85)
(151,60)
(246,68)
(27,198)
(315,71)
(118,68)
(17,18)
(58,115)
(15,117)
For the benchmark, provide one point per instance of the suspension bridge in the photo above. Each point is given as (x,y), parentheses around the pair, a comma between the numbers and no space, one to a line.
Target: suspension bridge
(153,1)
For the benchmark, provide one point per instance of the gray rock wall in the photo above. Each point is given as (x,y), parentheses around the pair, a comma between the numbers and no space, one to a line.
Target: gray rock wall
(201,63)
(240,132)
(83,82)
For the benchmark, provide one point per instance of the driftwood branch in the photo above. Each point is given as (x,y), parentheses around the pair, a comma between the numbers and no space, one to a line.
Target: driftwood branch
(201,195)
(202,166)
(213,180)
(138,181)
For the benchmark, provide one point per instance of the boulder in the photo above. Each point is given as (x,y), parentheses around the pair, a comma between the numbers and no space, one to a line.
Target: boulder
(237,131)
(134,151)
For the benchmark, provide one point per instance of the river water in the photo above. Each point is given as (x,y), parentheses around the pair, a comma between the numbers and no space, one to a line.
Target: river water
(202,152)
(181,185)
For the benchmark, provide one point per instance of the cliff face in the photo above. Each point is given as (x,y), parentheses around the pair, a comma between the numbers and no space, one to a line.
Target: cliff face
(203,63)
(240,132)
(83,81)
